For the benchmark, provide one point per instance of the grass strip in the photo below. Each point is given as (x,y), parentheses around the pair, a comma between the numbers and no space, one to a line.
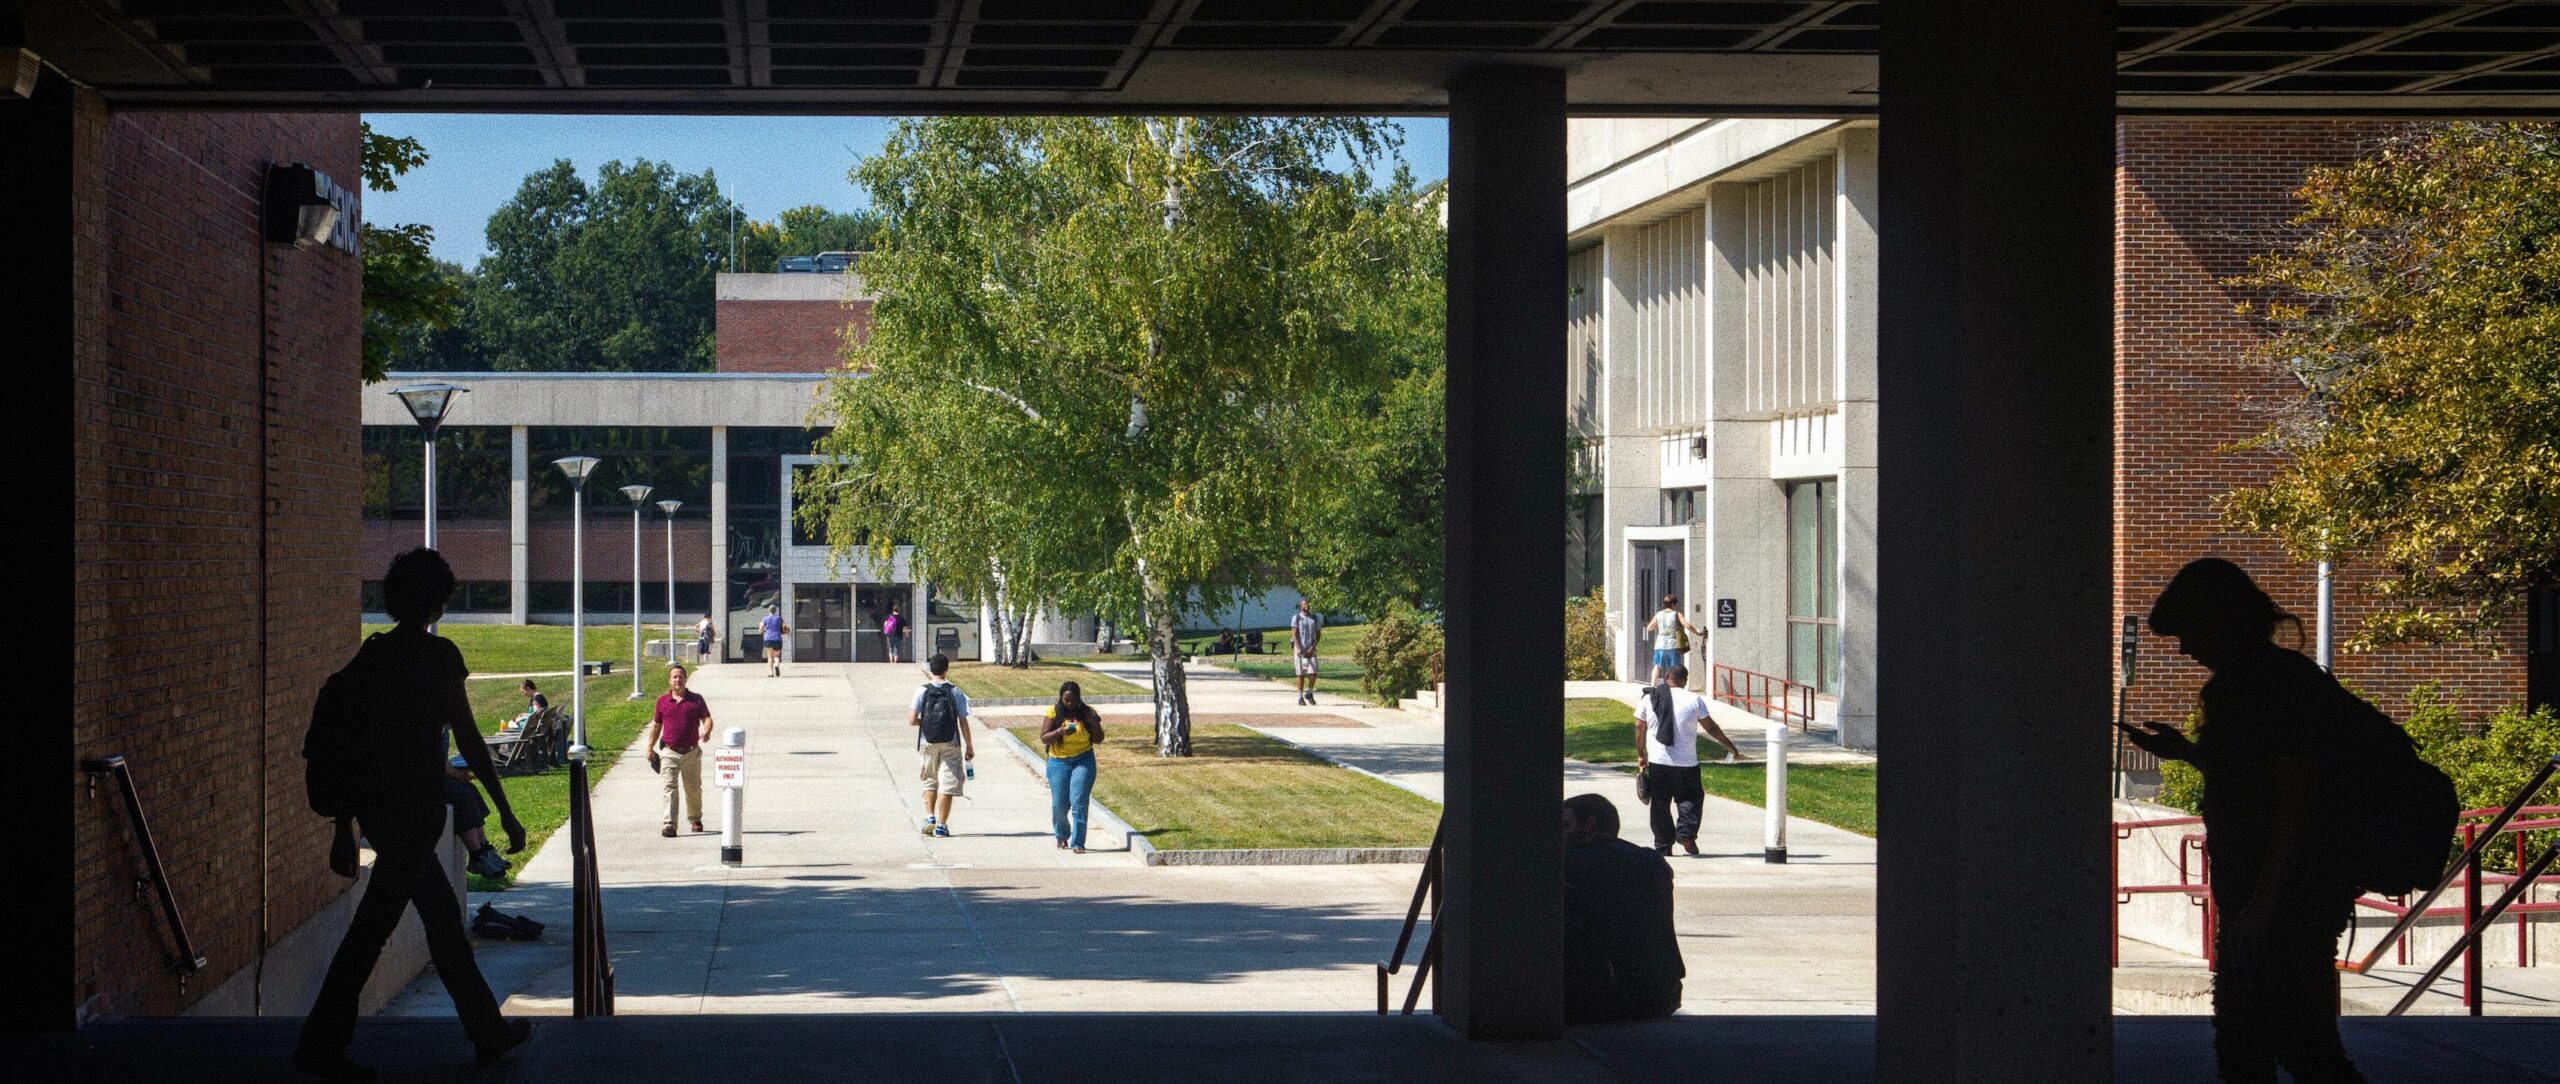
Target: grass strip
(1241,789)
(1600,731)
(981,680)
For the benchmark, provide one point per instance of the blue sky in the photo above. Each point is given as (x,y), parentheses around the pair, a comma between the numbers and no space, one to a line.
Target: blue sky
(475,161)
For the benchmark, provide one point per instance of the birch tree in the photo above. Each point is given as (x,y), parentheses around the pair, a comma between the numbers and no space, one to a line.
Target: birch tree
(1099,351)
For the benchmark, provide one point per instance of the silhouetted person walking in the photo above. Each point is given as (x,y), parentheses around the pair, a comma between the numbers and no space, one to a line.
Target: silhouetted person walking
(409,686)
(2270,763)
(1621,956)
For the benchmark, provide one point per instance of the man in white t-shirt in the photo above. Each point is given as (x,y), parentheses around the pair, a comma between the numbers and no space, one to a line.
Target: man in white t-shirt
(1667,754)
(1305,628)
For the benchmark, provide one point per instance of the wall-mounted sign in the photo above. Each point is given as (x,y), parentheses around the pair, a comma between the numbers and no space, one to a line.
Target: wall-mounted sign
(2125,650)
(1728,613)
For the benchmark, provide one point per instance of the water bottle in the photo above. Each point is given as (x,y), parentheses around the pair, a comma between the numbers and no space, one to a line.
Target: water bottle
(968,770)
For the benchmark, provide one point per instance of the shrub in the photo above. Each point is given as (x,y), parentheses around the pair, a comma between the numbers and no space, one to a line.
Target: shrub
(1586,639)
(1399,656)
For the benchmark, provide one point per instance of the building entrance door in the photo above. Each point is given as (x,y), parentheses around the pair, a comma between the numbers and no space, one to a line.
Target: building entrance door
(821,622)
(871,607)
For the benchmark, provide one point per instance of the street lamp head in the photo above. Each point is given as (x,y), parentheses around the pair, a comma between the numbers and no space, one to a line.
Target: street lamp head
(636,492)
(428,403)
(669,507)
(577,467)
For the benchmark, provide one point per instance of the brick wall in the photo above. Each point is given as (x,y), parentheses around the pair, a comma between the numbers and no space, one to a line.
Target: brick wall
(2194,201)
(215,527)
(786,336)
(478,549)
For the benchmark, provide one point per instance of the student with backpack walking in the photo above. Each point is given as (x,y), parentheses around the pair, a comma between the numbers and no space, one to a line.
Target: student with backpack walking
(376,761)
(940,714)
(2282,744)
(1067,737)
(893,630)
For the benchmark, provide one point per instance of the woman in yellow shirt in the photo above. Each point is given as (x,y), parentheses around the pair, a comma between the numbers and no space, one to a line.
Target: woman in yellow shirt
(1067,737)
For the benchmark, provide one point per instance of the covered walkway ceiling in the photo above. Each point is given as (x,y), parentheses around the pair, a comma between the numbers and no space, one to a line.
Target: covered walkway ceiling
(1392,56)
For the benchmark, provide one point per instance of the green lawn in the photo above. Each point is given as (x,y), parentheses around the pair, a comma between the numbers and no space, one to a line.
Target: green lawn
(541,798)
(983,679)
(1602,731)
(1243,789)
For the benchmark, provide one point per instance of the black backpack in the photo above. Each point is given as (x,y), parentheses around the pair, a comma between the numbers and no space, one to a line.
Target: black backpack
(938,720)
(338,750)
(2401,817)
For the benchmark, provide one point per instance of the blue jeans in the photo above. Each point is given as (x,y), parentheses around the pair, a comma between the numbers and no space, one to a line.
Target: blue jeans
(1070,791)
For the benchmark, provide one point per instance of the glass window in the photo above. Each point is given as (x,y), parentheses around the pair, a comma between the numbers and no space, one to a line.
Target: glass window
(1813,584)
(472,472)
(469,596)
(1679,506)
(674,462)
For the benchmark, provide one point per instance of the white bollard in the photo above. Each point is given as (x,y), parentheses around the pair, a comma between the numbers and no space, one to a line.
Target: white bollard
(1775,845)
(729,773)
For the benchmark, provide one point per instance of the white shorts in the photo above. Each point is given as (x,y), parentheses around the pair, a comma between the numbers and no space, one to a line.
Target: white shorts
(1306,664)
(939,767)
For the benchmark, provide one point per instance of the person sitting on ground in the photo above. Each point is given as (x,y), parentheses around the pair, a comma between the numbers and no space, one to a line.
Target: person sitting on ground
(470,815)
(1621,955)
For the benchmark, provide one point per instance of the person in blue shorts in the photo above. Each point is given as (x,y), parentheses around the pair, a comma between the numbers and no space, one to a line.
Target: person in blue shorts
(1671,634)
(774,630)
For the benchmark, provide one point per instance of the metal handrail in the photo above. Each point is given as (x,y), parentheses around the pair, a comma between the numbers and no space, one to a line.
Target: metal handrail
(2470,939)
(188,962)
(591,985)
(1427,886)
(1755,695)
(2467,863)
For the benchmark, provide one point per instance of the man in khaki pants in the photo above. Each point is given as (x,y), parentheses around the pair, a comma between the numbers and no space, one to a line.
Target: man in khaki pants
(676,733)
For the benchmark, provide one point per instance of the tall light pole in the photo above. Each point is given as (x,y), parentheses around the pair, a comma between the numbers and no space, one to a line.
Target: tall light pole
(577,467)
(428,404)
(669,507)
(639,494)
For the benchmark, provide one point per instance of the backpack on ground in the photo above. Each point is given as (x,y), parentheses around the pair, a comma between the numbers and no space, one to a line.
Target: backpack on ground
(338,751)
(938,719)
(2400,810)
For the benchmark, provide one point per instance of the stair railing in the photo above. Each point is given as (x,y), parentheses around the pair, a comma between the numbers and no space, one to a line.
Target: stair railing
(1427,887)
(188,962)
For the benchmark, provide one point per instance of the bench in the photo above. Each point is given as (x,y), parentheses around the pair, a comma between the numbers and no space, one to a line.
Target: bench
(599,667)
(536,745)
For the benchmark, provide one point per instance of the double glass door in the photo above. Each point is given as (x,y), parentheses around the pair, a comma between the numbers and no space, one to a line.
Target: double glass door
(822,622)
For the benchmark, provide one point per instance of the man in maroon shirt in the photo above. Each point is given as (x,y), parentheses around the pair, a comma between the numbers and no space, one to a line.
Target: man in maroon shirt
(676,733)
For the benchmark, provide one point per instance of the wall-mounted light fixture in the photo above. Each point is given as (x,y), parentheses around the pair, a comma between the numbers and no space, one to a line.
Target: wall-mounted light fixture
(304,207)
(24,67)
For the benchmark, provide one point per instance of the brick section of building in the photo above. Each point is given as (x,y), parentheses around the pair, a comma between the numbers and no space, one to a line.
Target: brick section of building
(478,549)
(214,398)
(788,336)
(2195,200)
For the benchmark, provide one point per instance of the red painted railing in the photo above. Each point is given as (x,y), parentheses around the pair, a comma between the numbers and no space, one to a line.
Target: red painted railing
(2195,882)
(1766,696)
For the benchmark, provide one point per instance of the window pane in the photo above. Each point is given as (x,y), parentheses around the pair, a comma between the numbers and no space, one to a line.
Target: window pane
(1830,683)
(1828,575)
(1804,551)
(1804,646)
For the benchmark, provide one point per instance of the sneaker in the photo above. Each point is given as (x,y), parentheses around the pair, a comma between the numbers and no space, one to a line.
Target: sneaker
(667,830)
(941,831)
(1691,846)
(929,826)
(697,825)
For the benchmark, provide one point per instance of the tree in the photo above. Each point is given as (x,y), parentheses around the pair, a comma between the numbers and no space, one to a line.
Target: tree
(407,297)
(614,278)
(2420,308)
(804,231)
(1099,353)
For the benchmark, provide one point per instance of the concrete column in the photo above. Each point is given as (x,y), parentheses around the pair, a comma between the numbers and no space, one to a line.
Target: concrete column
(1500,923)
(719,604)
(519,523)
(1745,556)
(1994,311)
(1631,480)
(1853,263)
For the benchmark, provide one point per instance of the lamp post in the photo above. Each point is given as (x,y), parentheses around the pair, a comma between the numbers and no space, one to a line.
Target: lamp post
(428,404)
(638,494)
(669,507)
(577,467)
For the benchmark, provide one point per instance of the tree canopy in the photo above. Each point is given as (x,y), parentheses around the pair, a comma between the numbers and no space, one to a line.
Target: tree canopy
(1106,351)
(407,295)
(613,277)
(805,230)
(2420,308)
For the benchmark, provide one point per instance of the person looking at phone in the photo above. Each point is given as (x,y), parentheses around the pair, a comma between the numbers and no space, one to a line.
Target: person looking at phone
(1068,734)
(2268,766)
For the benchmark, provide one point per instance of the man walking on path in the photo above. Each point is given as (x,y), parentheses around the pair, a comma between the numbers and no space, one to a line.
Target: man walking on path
(379,745)
(676,733)
(774,630)
(940,715)
(1667,722)
(1305,628)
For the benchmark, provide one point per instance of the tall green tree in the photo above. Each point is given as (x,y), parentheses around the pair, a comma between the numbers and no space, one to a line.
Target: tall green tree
(1101,352)
(407,296)
(614,277)
(2420,308)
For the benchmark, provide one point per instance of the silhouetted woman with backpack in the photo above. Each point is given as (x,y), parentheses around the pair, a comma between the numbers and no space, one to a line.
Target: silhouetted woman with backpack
(2272,759)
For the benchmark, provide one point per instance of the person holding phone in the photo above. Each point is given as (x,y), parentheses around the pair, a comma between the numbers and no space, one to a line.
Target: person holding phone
(1068,734)
(2269,767)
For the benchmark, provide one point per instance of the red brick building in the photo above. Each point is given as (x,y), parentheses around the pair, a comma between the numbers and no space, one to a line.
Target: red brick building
(788,323)
(2195,200)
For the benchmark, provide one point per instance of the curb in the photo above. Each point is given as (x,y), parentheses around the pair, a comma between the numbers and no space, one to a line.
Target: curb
(1344,764)
(1095,811)
(1254,856)
(1034,701)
